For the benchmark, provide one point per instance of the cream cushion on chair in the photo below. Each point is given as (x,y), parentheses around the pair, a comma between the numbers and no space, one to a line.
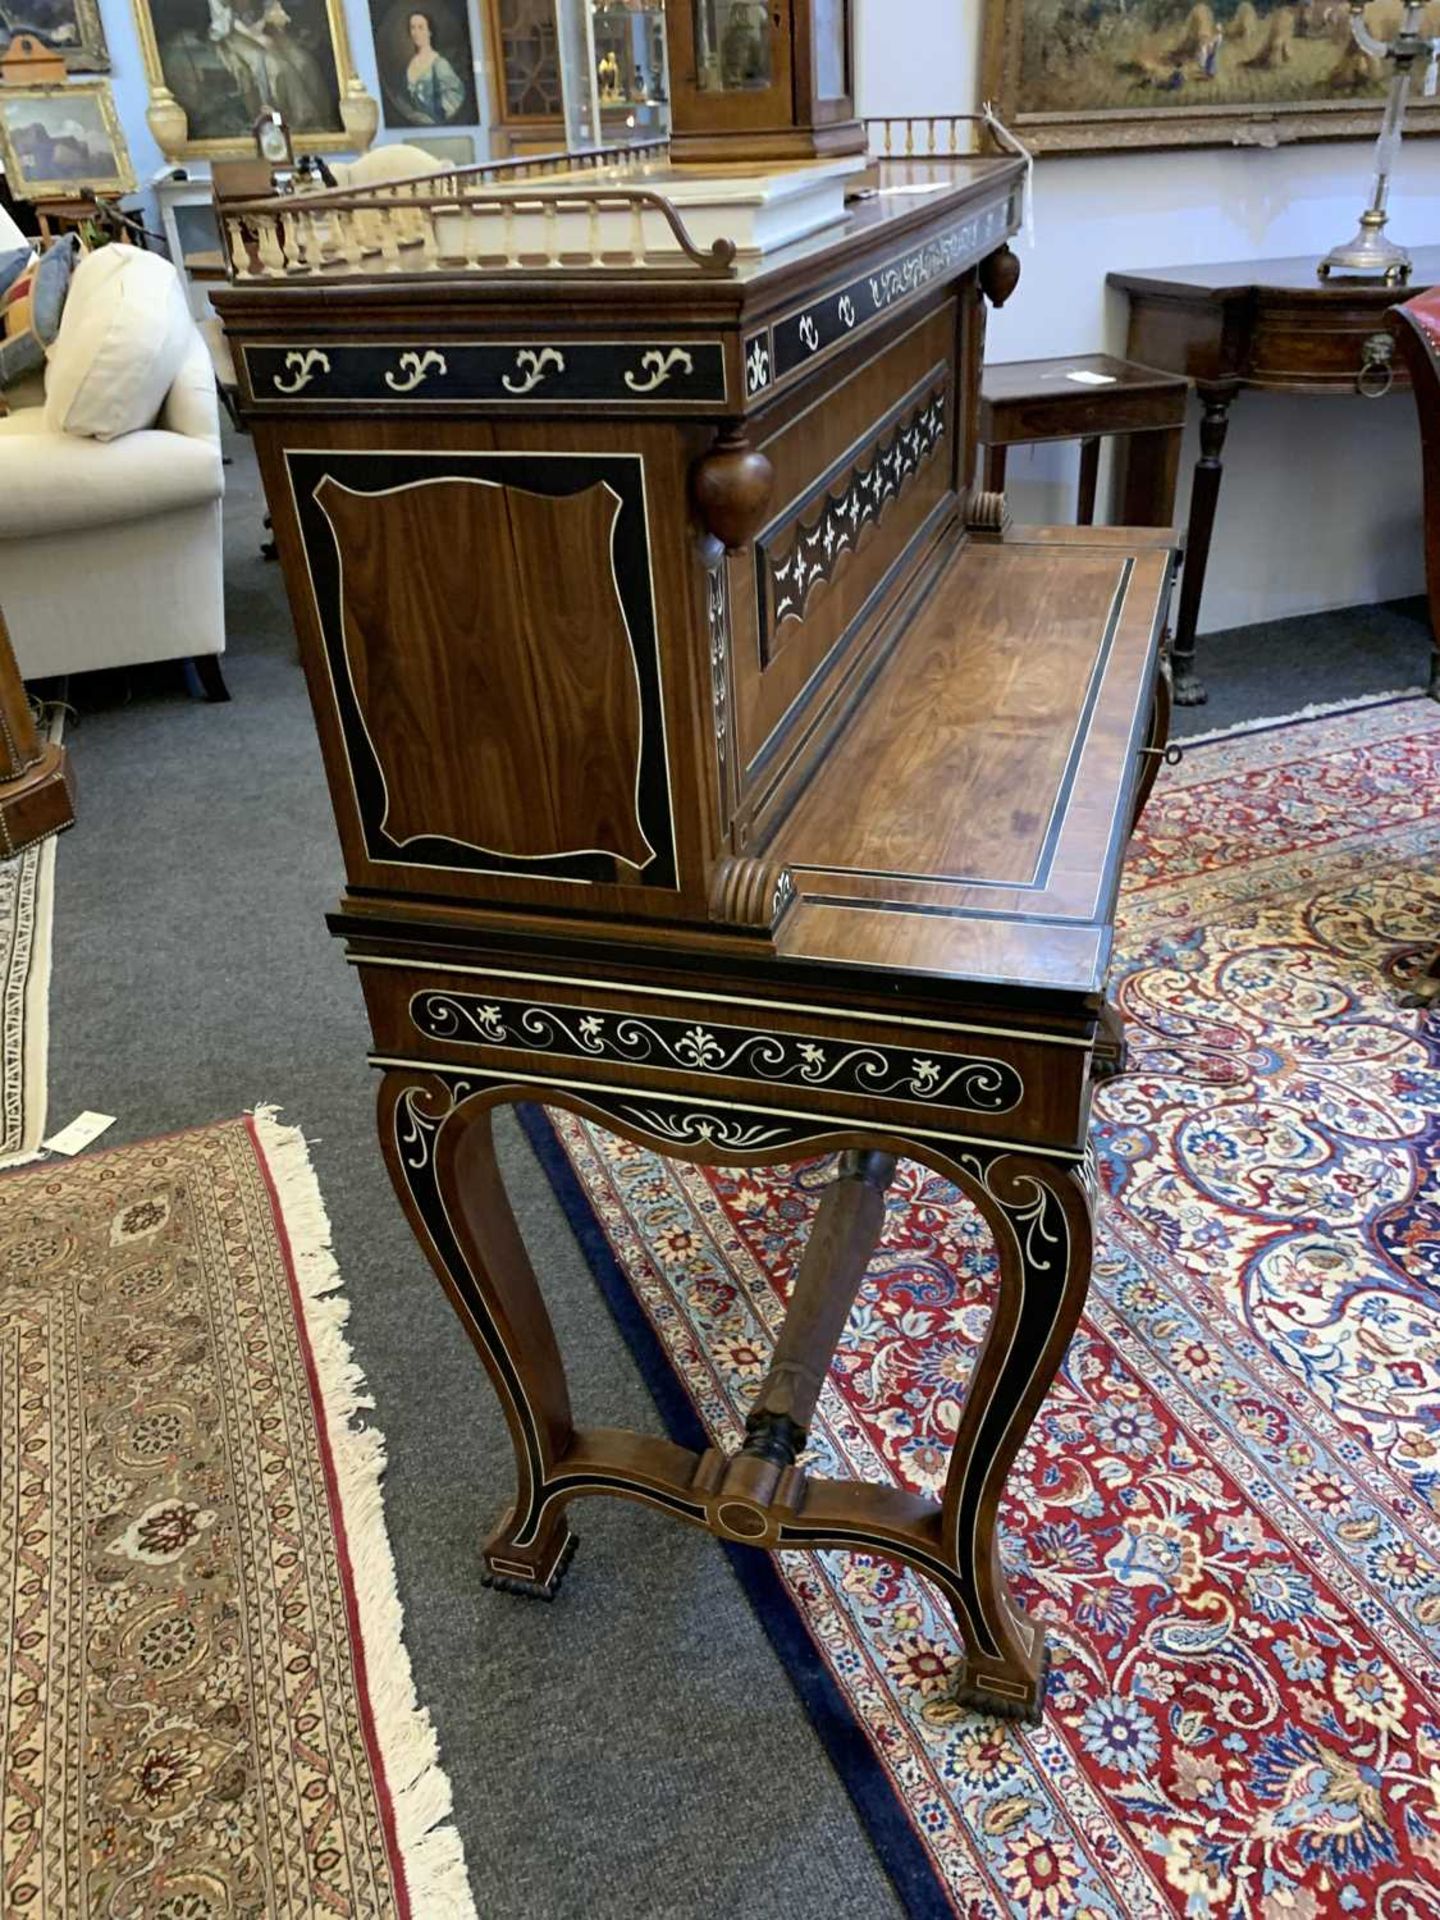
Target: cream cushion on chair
(126,333)
(381,165)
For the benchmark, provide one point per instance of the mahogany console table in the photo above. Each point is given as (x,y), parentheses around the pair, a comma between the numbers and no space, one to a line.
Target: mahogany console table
(1269,325)
(712,761)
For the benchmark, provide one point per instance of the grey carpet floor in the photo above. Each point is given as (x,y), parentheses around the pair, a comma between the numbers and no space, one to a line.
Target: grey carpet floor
(636,1748)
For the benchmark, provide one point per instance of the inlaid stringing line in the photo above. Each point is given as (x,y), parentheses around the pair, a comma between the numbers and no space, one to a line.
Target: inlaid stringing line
(824,1123)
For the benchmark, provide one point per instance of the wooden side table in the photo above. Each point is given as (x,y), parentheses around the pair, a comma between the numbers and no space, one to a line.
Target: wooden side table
(1270,325)
(1089,398)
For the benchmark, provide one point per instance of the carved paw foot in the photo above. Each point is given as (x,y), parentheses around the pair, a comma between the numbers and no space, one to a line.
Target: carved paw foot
(1189,688)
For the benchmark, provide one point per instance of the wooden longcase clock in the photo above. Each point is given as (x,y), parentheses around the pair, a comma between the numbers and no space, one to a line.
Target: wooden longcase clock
(762,80)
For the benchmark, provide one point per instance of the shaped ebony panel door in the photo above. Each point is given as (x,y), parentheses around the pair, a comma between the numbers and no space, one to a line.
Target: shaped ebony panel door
(491,644)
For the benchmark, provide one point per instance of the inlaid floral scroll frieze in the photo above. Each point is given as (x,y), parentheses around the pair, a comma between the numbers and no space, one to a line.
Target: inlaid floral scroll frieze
(301,368)
(816,551)
(531,367)
(657,367)
(414,370)
(926,1075)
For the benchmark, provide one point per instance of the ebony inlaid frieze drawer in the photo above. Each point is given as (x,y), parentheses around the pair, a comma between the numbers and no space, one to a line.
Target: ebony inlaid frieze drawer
(722,1057)
(806,333)
(512,373)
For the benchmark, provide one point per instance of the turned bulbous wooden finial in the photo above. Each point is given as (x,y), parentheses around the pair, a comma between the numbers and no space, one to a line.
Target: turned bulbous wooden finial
(731,488)
(999,276)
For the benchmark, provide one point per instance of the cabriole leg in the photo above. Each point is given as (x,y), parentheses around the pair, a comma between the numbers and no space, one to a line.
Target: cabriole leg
(1040,1216)
(440,1149)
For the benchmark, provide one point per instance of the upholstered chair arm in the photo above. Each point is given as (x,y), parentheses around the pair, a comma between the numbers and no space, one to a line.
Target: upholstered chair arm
(190,406)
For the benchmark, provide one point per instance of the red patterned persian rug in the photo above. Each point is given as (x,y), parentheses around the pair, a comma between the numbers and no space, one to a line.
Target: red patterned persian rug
(1228,1512)
(206,1709)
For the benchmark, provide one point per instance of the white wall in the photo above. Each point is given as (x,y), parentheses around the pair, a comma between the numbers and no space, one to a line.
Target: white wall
(1320,505)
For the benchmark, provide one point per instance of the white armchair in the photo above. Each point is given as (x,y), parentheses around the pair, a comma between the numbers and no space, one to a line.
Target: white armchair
(110,548)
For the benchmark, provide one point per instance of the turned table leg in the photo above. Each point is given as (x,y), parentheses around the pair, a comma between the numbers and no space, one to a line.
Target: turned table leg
(845,1234)
(1204,497)
(441,1154)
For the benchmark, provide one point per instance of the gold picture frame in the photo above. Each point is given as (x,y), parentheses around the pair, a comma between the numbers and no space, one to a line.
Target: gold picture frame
(1260,74)
(207,89)
(51,156)
(87,53)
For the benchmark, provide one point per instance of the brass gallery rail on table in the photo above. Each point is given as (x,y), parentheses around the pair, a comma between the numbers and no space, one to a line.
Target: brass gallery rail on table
(712,761)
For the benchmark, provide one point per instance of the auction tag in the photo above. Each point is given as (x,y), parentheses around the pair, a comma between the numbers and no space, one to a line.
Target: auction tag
(1083,377)
(80,1132)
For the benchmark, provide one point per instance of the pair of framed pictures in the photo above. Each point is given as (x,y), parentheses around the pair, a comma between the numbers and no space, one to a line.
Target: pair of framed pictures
(216,66)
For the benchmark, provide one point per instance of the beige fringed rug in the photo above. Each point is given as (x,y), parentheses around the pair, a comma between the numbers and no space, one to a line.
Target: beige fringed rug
(207,1710)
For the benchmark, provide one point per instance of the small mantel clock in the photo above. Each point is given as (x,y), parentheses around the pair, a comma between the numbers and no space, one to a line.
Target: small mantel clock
(762,80)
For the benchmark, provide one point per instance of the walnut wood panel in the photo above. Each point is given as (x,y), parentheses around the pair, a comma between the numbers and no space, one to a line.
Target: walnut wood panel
(1008,772)
(583,739)
(493,671)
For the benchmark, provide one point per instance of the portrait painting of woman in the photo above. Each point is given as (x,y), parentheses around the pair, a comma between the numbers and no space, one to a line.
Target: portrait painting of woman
(426,63)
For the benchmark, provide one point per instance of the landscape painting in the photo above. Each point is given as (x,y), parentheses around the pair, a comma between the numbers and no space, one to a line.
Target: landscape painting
(1078,74)
(58,142)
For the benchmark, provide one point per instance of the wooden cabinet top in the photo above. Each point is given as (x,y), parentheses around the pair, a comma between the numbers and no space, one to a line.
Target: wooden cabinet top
(1235,279)
(281,262)
(972,818)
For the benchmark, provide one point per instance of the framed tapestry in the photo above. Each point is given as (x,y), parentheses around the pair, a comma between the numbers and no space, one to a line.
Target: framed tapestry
(426,63)
(214,66)
(71,28)
(56,141)
(1076,76)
